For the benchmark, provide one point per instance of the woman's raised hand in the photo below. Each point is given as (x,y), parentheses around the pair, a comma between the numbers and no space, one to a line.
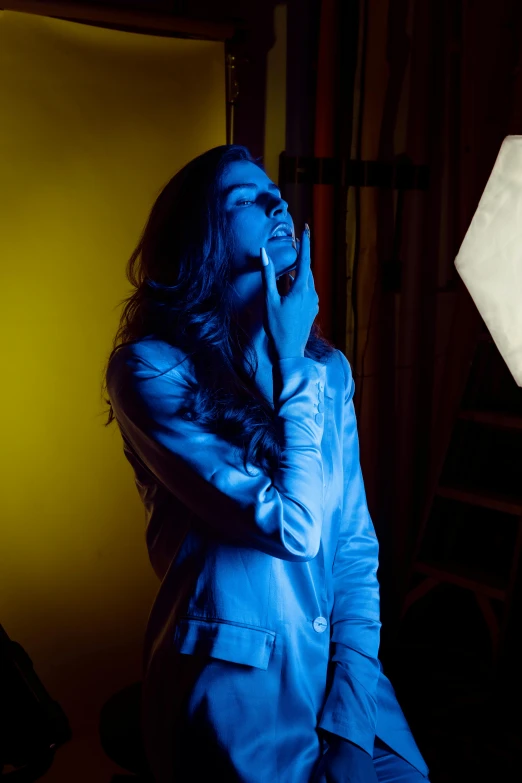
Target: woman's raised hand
(289,318)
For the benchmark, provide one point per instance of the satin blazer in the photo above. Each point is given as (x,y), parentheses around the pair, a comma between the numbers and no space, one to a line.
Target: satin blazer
(254,567)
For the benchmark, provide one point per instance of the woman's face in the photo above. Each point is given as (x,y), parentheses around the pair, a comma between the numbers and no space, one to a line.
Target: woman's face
(254,209)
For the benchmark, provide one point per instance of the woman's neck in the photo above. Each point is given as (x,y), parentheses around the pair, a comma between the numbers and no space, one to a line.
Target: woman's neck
(252,324)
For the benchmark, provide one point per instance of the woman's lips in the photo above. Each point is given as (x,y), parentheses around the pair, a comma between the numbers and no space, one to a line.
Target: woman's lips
(281,239)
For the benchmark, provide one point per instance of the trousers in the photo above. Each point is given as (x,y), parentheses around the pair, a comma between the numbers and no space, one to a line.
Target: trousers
(386,766)
(206,725)
(391,768)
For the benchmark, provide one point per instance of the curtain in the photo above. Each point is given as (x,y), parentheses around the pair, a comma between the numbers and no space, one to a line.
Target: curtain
(438,83)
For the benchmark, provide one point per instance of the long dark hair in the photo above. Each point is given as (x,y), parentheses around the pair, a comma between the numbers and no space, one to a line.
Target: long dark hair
(180,271)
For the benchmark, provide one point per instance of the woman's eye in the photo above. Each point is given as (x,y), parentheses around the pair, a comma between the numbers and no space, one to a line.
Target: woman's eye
(245,202)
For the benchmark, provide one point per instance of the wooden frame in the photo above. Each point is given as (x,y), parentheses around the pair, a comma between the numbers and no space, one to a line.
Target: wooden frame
(151,22)
(128,19)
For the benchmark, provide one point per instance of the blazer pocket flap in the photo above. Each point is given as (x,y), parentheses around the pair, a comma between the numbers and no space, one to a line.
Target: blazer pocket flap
(225,640)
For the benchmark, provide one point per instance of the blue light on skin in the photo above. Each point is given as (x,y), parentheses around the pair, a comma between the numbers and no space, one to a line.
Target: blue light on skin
(253,211)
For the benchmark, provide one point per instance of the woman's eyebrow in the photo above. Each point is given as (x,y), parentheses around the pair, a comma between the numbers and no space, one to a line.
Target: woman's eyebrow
(238,186)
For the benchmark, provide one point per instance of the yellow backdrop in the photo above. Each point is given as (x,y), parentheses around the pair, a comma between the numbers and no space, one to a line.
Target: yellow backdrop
(94,122)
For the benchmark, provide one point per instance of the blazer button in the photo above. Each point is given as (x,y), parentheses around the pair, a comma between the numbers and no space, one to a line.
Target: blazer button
(320,624)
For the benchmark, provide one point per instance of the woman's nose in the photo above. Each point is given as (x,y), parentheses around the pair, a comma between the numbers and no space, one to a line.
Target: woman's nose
(278,205)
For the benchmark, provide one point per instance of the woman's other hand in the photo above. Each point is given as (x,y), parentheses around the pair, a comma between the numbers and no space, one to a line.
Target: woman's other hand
(289,318)
(344,762)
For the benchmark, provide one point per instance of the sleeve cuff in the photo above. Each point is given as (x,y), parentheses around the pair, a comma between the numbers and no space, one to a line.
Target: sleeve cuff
(350,711)
(299,405)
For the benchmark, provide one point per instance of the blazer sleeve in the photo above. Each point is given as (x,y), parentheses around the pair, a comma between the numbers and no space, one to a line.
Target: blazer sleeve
(350,708)
(281,514)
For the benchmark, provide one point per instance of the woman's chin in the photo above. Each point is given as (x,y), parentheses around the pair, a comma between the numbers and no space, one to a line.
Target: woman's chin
(281,246)
(283,256)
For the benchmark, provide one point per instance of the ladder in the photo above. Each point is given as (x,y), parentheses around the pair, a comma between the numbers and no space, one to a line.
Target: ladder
(471,532)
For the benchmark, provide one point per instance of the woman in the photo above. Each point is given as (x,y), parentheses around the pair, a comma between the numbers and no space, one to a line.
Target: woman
(260,656)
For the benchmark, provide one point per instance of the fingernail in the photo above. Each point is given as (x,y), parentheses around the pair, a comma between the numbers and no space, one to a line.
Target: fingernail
(264,257)
(307,229)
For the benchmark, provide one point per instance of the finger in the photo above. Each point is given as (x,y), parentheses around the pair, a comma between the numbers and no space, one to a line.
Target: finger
(268,275)
(294,271)
(303,259)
